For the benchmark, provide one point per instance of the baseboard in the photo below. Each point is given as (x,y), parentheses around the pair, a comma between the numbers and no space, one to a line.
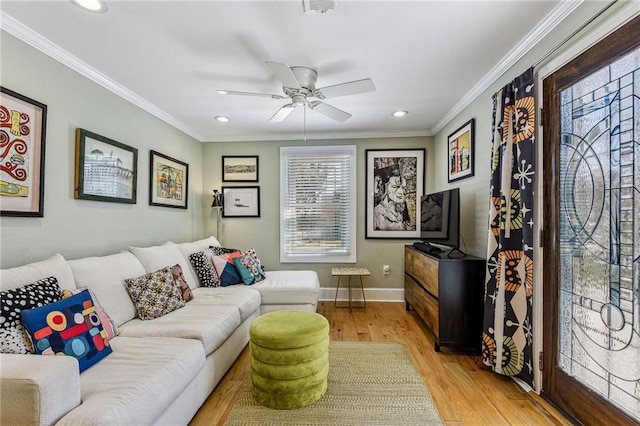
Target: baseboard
(371,294)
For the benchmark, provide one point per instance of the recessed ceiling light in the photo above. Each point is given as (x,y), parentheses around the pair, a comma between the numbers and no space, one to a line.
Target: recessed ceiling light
(222,92)
(222,119)
(91,5)
(400,113)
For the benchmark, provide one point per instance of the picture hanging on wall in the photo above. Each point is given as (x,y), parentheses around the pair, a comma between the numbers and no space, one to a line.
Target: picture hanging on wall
(240,168)
(106,170)
(461,152)
(168,181)
(22,142)
(241,201)
(394,185)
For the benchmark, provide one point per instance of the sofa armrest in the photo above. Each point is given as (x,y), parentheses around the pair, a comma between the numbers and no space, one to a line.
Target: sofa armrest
(37,389)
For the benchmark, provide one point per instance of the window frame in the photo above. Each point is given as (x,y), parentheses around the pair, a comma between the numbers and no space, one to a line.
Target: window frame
(310,151)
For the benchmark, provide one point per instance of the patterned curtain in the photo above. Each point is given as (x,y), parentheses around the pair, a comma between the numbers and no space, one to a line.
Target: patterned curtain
(507,336)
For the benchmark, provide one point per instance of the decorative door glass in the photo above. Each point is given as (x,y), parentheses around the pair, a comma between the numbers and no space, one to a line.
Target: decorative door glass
(600,232)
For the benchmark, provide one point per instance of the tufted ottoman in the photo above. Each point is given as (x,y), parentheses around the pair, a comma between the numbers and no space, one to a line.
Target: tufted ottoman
(289,358)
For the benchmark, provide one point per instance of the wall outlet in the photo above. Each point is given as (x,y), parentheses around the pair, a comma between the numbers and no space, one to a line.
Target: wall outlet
(386,269)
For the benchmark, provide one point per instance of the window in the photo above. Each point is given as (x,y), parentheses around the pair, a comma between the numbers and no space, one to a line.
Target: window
(317,204)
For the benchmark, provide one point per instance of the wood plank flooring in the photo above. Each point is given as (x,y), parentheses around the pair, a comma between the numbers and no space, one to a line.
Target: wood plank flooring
(463,389)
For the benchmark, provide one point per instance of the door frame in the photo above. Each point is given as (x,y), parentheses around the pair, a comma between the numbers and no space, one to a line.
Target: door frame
(557,386)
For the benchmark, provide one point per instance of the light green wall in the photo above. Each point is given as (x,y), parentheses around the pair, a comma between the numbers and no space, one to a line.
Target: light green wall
(79,228)
(474,192)
(264,234)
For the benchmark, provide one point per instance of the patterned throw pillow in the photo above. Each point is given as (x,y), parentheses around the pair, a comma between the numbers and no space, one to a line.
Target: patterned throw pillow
(249,267)
(13,337)
(201,262)
(155,294)
(226,268)
(176,271)
(217,251)
(107,323)
(69,327)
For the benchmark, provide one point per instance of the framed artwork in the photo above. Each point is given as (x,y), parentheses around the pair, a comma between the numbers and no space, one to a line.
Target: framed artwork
(22,140)
(394,185)
(168,181)
(461,152)
(241,201)
(241,168)
(106,170)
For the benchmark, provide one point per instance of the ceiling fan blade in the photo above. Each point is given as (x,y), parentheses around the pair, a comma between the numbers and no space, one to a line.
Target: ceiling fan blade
(330,111)
(343,89)
(282,113)
(284,74)
(264,95)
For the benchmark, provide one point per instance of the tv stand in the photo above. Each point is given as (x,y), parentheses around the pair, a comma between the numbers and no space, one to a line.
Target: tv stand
(447,294)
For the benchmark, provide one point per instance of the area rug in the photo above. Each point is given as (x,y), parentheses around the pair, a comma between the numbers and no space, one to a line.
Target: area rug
(369,383)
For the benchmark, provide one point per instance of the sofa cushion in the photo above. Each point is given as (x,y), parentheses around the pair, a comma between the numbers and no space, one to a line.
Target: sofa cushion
(157,257)
(55,266)
(201,261)
(178,277)
(245,299)
(68,327)
(105,276)
(249,267)
(193,247)
(155,294)
(127,388)
(14,338)
(107,323)
(211,324)
(289,287)
(226,268)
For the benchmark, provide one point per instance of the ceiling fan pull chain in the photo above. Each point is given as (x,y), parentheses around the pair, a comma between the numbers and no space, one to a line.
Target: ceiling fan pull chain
(304,121)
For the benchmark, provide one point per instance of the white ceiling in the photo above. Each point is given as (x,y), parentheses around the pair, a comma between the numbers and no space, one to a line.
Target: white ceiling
(169,57)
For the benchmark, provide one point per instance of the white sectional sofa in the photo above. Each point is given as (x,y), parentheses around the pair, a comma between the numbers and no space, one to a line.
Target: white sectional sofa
(160,370)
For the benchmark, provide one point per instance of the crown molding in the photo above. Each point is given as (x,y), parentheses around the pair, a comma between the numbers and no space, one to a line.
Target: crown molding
(25,34)
(316,136)
(551,21)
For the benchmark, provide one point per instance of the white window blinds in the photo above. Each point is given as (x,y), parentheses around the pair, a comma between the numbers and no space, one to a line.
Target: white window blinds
(317,197)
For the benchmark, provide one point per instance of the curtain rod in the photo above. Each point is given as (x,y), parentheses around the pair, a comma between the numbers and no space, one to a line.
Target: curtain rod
(573,34)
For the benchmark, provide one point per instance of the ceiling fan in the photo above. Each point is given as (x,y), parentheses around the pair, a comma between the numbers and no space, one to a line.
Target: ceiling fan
(299,84)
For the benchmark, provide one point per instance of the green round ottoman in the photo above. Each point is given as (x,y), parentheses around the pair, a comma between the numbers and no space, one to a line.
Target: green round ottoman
(289,358)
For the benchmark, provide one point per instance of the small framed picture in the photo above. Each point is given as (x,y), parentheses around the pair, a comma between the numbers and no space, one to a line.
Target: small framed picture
(168,181)
(461,152)
(241,201)
(106,170)
(240,168)
(22,132)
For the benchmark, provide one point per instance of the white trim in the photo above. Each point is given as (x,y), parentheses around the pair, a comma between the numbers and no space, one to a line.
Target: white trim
(20,31)
(372,294)
(555,17)
(625,13)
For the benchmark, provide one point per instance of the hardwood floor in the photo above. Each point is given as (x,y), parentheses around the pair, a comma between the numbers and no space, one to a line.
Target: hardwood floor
(463,389)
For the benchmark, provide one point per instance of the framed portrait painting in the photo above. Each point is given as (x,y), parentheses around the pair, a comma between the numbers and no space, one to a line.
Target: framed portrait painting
(394,185)
(22,141)
(168,181)
(240,168)
(106,170)
(241,201)
(461,152)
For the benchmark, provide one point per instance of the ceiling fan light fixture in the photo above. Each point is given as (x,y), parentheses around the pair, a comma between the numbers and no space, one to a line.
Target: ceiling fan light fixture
(97,6)
(222,118)
(400,113)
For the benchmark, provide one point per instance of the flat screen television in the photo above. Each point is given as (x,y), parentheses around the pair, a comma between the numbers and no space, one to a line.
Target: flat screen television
(440,220)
